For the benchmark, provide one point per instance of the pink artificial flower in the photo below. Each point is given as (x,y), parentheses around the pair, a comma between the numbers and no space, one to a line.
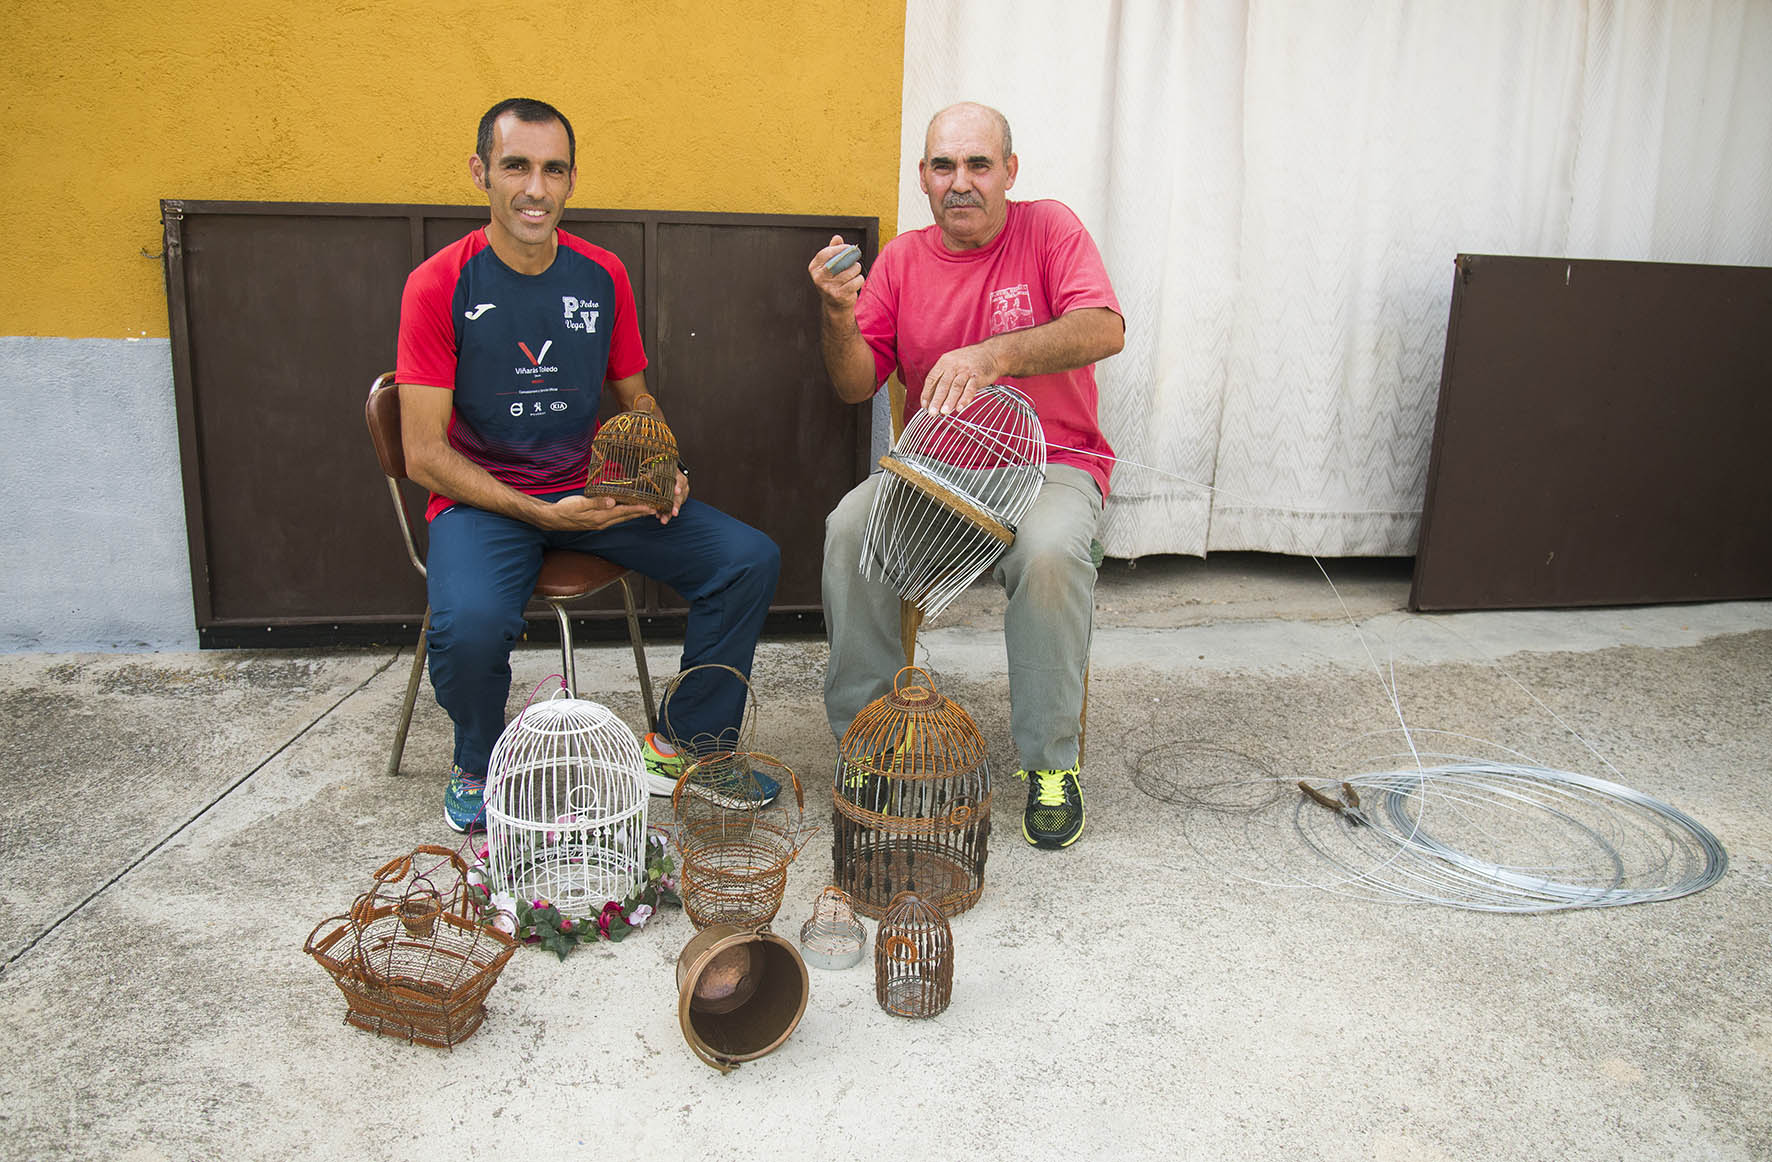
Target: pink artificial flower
(638,917)
(610,911)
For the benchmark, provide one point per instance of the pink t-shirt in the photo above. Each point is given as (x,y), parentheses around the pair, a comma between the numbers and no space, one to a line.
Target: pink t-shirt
(922,300)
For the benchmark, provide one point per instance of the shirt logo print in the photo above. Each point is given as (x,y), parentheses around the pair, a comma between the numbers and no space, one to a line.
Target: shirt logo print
(479,310)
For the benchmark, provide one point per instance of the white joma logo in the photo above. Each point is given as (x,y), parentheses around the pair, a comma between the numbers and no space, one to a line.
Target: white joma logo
(479,310)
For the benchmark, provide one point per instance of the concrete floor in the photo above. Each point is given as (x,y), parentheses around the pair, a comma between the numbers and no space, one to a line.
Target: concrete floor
(178,823)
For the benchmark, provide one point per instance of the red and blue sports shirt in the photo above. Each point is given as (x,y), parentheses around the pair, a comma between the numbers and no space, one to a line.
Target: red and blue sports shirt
(525,354)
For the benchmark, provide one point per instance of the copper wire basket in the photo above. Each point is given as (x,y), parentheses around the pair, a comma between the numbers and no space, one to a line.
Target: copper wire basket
(735,859)
(634,458)
(411,961)
(912,801)
(913,958)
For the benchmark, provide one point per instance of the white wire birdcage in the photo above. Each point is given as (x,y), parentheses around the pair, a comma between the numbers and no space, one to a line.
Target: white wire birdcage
(566,807)
(954,489)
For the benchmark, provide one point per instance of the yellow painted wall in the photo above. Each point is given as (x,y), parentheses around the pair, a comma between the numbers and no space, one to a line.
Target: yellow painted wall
(745,106)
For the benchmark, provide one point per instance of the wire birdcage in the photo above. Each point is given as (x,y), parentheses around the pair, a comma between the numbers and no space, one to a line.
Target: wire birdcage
(566,806)
(735,861)
(913,958)
(912,801)
(832,937)
(954,489)
(634,458)
(410,959)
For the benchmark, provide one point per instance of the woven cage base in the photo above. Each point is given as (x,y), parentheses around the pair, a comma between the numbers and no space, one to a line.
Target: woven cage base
(872,865)
(429,989)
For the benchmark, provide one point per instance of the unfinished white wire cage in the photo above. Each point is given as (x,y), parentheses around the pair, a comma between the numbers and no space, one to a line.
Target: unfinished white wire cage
(566,806)
(954,489)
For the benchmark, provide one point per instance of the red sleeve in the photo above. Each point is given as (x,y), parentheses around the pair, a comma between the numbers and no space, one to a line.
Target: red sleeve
(627,355)
(876,314)
(1075,275)
(427,347)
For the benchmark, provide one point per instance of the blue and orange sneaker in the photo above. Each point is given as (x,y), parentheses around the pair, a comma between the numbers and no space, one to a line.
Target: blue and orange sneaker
(735,789)
(464,803)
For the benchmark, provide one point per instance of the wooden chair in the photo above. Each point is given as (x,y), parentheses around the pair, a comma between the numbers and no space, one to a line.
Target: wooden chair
(565,576)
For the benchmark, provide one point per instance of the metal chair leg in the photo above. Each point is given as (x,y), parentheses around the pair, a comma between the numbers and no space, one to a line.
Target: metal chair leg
(568,671)
(418,669)
(627,596)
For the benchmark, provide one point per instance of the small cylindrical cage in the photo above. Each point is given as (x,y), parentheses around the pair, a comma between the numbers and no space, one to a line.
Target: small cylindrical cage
(912,801)
(735,848)
(566,807)
(634,458)
(913,958)
(953,491)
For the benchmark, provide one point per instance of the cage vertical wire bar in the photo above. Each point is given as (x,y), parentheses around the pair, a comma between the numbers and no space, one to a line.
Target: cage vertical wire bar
(566,807)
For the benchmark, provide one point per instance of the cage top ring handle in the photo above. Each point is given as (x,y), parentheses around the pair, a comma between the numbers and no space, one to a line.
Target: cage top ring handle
(898,684)
(651,407)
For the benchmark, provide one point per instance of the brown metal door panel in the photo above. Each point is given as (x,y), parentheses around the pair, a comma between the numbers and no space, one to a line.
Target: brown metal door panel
(1601,437)
(289,320)
(738,335)
(283,313)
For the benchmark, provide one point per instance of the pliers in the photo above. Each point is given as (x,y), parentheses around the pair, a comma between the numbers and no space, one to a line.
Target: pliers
(1348,806)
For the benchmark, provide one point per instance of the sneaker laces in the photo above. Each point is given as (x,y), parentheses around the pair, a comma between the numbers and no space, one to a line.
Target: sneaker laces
(1048,786)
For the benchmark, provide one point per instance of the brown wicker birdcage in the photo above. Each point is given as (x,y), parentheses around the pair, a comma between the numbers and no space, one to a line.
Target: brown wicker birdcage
(411,960)
(912,801)
(832,936)
(913,958)
(634,458)
(735,859)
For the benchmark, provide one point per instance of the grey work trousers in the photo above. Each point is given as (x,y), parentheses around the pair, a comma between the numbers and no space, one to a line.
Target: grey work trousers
(1048,576)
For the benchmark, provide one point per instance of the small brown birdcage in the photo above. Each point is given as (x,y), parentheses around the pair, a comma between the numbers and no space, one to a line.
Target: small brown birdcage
(411,960)
(832,937)
(735,860)
(912,801)
(634,458)
(913,958)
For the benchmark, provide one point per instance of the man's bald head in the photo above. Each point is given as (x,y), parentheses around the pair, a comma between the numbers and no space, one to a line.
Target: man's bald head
(971,109)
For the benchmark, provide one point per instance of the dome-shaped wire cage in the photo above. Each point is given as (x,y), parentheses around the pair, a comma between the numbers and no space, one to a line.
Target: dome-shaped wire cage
(912,801)
(954,490)
(913,958)
(566,806)
(833,937)
(634,458)
(735,861)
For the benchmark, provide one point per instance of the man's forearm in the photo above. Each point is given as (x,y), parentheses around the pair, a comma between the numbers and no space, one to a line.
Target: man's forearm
(447,472)
(1075,339)
(847,357)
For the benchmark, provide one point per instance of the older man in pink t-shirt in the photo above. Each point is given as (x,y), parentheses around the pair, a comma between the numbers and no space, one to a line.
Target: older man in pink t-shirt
(995,292)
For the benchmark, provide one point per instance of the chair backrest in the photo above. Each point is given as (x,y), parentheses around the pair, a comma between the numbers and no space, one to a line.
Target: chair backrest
(382,411)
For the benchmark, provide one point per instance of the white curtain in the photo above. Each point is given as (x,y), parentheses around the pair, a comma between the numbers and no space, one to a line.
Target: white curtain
(1279,188)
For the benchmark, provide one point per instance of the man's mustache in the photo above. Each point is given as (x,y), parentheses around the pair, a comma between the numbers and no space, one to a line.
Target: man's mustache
(953,201)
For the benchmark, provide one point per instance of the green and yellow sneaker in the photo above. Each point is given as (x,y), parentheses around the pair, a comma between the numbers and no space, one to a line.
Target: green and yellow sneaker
(1054,815)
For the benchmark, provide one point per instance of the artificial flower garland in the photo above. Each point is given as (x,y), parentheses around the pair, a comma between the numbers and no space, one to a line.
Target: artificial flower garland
(540,922)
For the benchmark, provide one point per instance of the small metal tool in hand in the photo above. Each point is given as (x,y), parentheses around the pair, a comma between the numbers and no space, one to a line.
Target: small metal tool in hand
(843,260)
